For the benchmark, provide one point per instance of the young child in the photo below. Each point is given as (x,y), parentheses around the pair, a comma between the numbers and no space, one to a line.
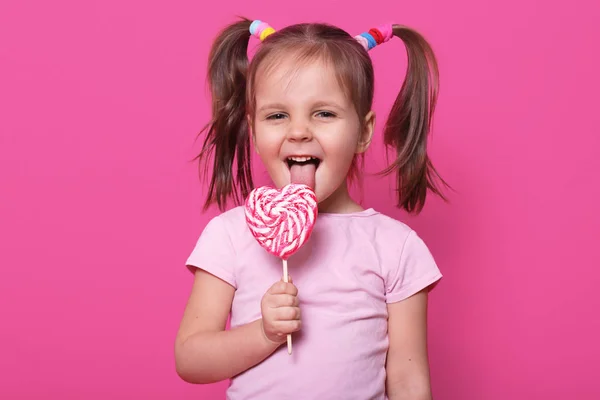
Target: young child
(357,302)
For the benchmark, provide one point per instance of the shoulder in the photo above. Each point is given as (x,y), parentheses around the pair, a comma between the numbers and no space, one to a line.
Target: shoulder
(385,233)
(218,246)
(387,222)
(230,229)
(397,240)
(231,220)
(390,229)
(224,227)
(408,265)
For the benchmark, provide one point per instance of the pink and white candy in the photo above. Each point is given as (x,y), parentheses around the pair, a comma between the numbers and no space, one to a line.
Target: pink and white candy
(281,220)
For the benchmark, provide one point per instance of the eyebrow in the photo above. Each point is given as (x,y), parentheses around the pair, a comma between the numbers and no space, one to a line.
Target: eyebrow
(271,106)
(328,104)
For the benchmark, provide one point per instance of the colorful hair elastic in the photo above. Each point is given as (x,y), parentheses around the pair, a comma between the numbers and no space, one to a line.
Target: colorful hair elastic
(261,29)
(368,40)
(375,36)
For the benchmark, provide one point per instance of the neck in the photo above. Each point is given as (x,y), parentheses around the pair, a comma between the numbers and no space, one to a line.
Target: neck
(339,202)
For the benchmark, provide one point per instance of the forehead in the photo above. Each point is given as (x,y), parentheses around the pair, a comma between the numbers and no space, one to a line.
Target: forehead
(294,80)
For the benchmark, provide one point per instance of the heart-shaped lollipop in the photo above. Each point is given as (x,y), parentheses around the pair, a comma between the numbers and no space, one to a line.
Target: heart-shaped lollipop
(282,221)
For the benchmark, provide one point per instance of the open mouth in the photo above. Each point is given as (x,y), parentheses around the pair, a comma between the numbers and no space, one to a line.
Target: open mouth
(302,161)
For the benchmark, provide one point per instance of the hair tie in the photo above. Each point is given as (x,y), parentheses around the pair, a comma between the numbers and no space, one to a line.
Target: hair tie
(261,29)
(378,36)
(375,36)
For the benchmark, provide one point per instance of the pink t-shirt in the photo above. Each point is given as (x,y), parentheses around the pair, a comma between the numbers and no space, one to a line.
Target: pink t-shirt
(346,273)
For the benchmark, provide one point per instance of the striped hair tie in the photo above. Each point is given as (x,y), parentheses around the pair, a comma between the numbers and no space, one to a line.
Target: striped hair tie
(375,36)
(261,29)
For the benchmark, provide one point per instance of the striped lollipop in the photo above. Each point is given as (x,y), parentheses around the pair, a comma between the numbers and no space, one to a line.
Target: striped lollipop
(282,221)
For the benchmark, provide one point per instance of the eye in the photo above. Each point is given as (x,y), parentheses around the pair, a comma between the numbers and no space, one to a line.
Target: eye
(276,116)
(325,114)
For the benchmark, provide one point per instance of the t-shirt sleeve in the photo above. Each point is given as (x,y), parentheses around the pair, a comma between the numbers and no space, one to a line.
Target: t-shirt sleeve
(214,252)
(415,270)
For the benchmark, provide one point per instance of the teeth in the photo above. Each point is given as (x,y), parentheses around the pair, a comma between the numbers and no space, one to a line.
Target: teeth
(301,159)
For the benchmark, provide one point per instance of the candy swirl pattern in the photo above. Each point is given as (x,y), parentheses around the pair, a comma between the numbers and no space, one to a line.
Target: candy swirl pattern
(281,220)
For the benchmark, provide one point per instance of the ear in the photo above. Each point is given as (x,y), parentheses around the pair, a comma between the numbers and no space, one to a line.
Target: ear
(367,134)
(251,130)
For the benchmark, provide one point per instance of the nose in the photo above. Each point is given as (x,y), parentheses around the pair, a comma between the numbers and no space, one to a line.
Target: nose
(299,131)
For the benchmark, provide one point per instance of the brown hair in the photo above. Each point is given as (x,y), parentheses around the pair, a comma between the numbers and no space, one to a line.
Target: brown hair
(231,78)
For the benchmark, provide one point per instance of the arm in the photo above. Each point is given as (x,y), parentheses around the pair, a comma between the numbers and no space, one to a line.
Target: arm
(204,351)
(407,362)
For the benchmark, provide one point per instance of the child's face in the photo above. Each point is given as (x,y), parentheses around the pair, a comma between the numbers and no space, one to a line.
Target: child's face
(303,112)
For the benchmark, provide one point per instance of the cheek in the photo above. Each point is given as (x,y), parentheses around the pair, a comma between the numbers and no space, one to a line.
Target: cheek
(343,147)
(267,147)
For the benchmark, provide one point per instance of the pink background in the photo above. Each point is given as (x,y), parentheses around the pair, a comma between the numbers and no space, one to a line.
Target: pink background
(100,103)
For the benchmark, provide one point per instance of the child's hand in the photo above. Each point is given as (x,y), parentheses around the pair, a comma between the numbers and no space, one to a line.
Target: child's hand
(280,311)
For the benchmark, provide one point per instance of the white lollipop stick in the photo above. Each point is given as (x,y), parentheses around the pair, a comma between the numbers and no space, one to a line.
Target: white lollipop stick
(286,279)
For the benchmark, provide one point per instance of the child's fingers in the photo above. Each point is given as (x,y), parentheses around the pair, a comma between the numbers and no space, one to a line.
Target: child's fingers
(286,327)
(283,288)
(287,313)
(282,300)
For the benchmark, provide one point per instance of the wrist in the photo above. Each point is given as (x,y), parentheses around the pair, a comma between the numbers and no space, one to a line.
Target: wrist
(266,340)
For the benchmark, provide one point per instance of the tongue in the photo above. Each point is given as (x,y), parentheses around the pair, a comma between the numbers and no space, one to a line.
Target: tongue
(303,174)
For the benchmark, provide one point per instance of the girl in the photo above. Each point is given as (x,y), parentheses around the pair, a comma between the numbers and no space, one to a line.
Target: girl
(357,304)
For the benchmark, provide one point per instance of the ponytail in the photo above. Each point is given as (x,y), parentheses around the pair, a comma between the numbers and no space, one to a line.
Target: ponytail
(409,122)
(227,138)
